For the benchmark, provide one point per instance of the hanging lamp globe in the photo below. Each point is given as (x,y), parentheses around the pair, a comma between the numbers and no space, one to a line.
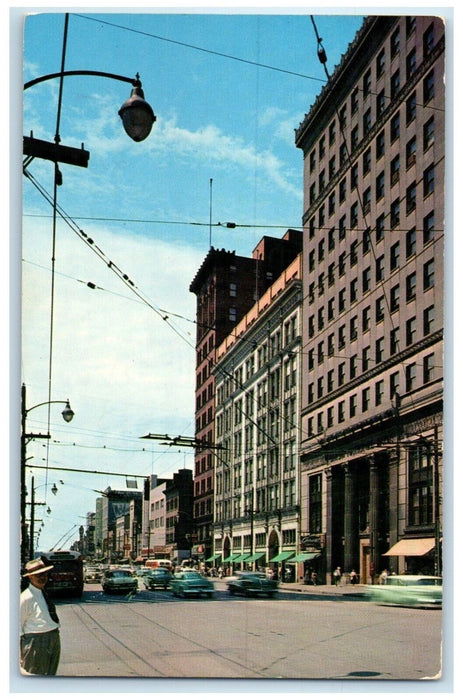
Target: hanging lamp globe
(136,114)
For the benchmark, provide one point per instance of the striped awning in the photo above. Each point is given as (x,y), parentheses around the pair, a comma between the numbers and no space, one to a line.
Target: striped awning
(256,556)
(411,547)
(283,556)
(232,557)
(305,556)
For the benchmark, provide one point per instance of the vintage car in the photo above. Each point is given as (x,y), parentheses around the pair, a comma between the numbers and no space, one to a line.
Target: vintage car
(252,583)
(190,583)
(409,591)
(92,574)
(157,578)
(119,581)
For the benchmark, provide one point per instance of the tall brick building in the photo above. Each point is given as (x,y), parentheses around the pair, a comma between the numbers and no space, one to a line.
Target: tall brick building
(373,271)
(226,286)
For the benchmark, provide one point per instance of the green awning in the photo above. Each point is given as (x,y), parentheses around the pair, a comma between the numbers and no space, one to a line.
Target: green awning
(306,556)
(282,557)
(231,558)
(214,557)
(240,558)
(255,557)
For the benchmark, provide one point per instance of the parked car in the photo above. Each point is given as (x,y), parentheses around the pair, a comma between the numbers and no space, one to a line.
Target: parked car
(409,591)
(252,583)
(157,578)
(190,583)
(119,581)
(92,574)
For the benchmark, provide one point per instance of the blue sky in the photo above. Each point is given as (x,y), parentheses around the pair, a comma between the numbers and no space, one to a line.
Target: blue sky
(228,91)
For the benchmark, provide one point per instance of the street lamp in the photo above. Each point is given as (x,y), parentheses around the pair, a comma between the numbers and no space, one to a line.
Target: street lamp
(68,415)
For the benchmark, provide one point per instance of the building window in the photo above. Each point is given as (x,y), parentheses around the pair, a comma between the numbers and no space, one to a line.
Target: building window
(232,289)
(367,122)
(367,200)
(428,320)
(312,161)
(366,280)
(395,170)
(411,197)
(354,137)
(380,103)
(394,384)
(380,309)
(315,503)
(428,368)
(354,176)
(365,358)
(410,286)
(395,84)
(410,377)
(343,117)
(380,268)
(428,228)
(411,108)
(395,298)
(379,350)
(380,186)
(380,145)
(342,190)
(395,127)
(341,374)
(428,87)
(428,40)
(380,227)
(365,319)
(380,63)
(411,63)
(341,412)
(410,25)
(353,367)
(232,314)
(428,181)
(395,213)
(379,392)
(343,154)
(411,152)
(410,242)
(365,399)
(352,405)
(332,132)
(366,162)
(354,100)
(394,341)
(395,42)
(428,274)
(428,134)
(366,83)
(420,491)
(394,260)
(321,148)
(410,334)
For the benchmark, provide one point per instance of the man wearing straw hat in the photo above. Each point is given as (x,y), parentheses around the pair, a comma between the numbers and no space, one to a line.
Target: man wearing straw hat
(40,640)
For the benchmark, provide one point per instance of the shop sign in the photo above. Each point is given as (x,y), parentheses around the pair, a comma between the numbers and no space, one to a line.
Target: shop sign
(312,541)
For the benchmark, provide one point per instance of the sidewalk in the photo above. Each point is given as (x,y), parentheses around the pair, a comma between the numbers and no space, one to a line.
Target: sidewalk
(357,590)
(354,590)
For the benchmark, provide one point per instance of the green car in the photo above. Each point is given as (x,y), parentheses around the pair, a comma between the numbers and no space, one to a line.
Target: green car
(157,578)
(408,591)
(252,583)
(190,583)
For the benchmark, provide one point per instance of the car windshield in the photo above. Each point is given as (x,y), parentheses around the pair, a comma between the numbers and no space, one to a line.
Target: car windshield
(190,574)
(119,574)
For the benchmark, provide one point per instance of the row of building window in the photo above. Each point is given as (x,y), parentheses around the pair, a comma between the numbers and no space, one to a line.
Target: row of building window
(363,399)
(316,323)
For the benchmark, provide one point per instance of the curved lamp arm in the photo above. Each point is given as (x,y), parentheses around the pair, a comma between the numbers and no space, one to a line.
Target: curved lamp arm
(136,114)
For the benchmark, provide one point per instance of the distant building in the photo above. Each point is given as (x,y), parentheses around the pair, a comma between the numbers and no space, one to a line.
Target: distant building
(373,279)
(226,287)
(257,377)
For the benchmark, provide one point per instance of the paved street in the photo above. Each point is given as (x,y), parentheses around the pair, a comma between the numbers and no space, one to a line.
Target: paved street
(306,633)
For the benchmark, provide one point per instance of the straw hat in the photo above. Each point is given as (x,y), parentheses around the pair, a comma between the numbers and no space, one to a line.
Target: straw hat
(36,566)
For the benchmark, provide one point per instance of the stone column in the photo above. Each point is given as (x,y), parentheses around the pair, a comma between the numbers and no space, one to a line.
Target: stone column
(350,519)
(329,524)
(374,517)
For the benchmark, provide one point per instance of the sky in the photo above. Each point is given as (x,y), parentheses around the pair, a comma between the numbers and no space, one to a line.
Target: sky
(228,91)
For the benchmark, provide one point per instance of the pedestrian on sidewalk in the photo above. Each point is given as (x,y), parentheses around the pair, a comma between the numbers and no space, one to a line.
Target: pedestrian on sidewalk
(337,575)
(40,644)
